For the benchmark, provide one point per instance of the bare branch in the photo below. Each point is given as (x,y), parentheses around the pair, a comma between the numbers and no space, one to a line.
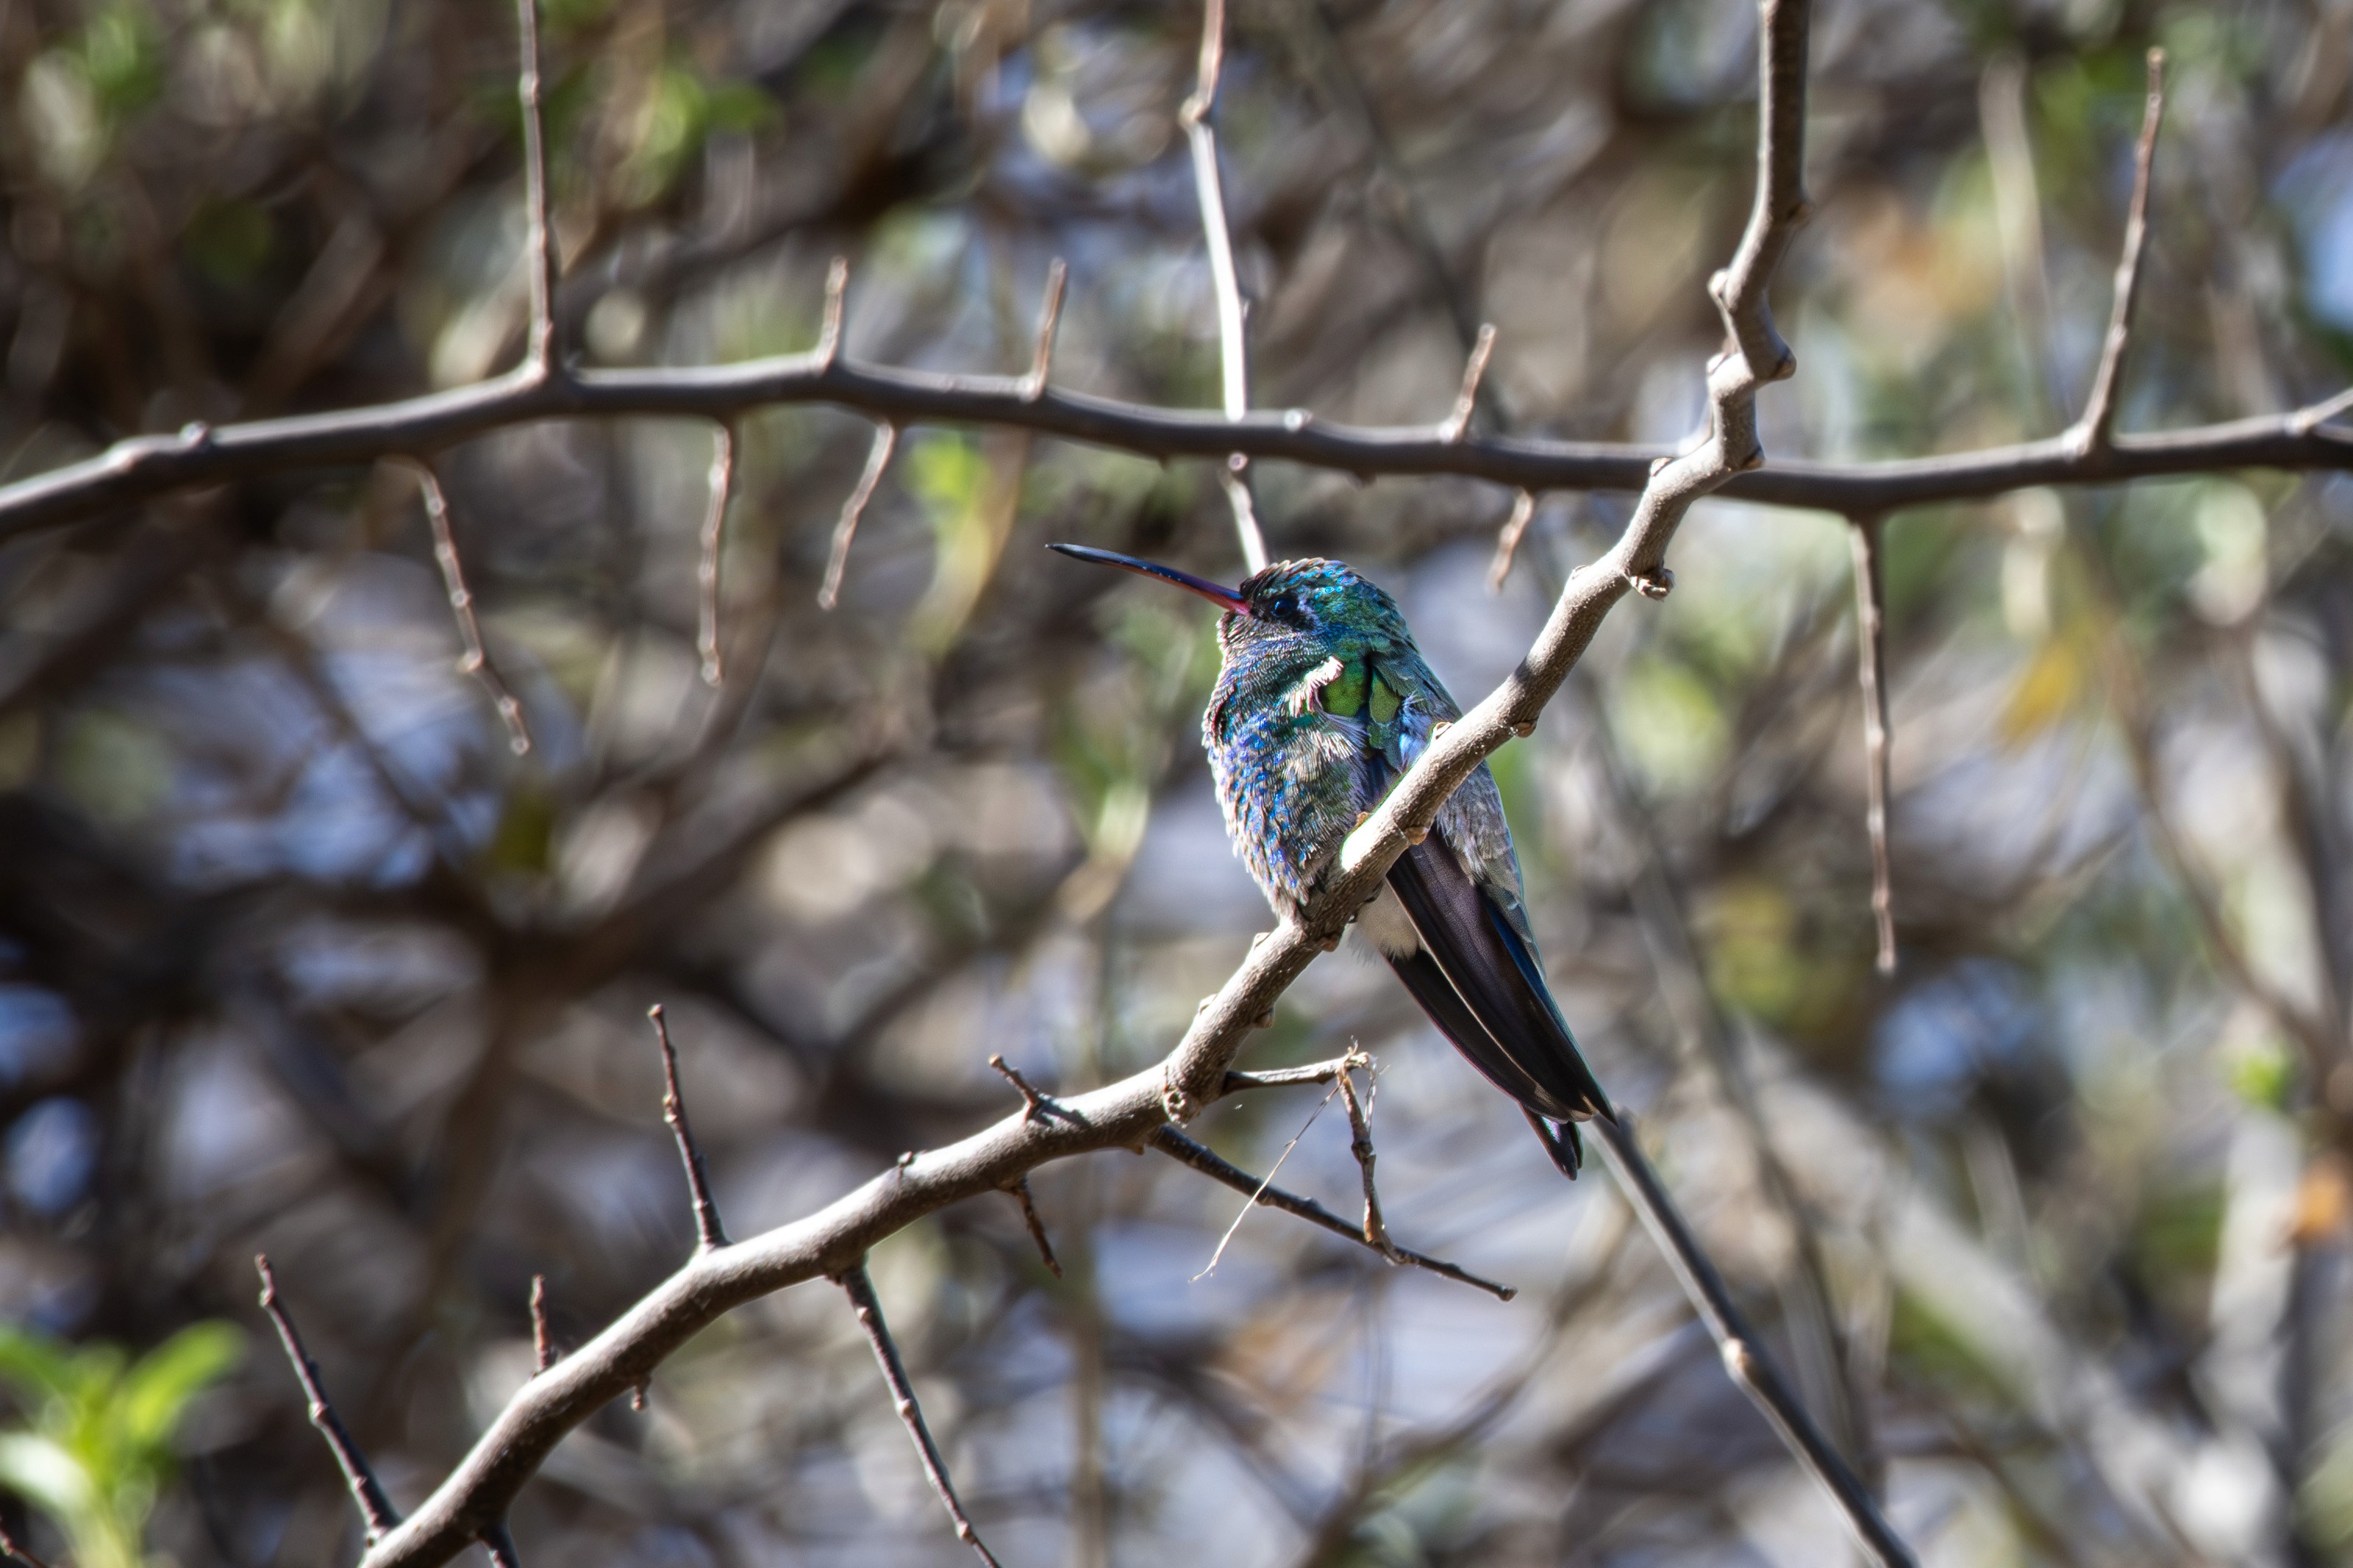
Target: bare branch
(1185,1150)
(1871,663)
(1021,1194)
(1743,1354)
(878,457)
(1458,423)
(376,1512)
(860,1290)
(706,570)
(1507,542)
(543,1342)
(709,1234)
(10,1548)
(1050,319)
(1360,1144)
(1233,339)
(2096,427)
(1293,1078)
(476,659)
(539,245)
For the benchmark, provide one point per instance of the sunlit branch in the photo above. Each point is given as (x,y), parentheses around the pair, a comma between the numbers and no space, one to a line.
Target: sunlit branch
(541,350)
(1050,320)
(1233,317)
(706,568)
(1458,423)
(1507,539)
(1360,1144)
(1022,1196)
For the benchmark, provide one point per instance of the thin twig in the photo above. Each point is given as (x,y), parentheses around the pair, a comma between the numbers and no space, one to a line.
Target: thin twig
(1233,317)
(539,245)
(10,1548)
(543,1342)
(500,1543)
(706,569)
(1743,1353)
(709,1233)
(1294,1077)
(1507,542)
(1021,1194)
(475,660)
(1206,1161)
(1871,664)
(2097,425)
(1050,319)
(828,332)
(860,1290)
(1033,1103)
(1360,1144)
(1458,423)
(376,1512)
(1259,1194)
(837,561)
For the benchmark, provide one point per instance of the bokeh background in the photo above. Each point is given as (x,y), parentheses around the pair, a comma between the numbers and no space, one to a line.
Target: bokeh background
(296,955)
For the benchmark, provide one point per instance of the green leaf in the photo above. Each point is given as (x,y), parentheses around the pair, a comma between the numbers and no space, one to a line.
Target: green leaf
(37,1366)
(47,1476)
(157,1392)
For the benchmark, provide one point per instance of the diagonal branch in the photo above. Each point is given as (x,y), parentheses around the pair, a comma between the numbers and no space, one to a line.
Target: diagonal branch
(860,1290)
(376,1511)
(1743,1353)
(2096,428)
(706,568)
(1233,315)
(475,660)
(9,1548)
(837,561)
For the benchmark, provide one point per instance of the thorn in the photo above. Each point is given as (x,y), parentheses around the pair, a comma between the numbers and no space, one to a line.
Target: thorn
(543,1343)
(1020,1191)
(1033,1104)
(709,1234)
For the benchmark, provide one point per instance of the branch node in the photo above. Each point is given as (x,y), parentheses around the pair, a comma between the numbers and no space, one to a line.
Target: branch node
(1655,583)
(1175,1103)
(376,1512)
(709,1233)
(855,1284)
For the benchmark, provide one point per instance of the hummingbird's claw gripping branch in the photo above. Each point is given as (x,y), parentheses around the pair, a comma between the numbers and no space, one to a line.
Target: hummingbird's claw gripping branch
(1186,1152)
(2095,431)
(376,1513)
(854,1281)
(709,1233)
(475,660)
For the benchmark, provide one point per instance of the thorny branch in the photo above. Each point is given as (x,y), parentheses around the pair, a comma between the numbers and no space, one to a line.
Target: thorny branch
(376,1511)
(860,1290)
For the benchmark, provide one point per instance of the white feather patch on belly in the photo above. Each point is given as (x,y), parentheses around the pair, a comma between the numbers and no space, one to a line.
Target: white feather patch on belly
(1384,924)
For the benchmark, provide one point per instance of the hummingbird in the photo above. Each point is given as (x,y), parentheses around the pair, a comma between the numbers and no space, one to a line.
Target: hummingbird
(1321,702)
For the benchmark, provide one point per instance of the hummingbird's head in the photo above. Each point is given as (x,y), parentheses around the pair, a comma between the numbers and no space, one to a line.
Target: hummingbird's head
(1326,604)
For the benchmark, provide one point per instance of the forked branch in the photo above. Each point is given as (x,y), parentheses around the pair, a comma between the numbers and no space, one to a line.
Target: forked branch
(376,1512)
(2095,430)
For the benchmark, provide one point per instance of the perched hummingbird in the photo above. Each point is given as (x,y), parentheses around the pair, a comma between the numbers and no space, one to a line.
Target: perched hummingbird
(1321,701)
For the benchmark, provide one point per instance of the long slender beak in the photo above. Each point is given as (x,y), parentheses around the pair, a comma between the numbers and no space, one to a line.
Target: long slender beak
(1217,594)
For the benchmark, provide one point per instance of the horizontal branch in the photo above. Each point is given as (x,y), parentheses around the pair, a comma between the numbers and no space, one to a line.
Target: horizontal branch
(141,467)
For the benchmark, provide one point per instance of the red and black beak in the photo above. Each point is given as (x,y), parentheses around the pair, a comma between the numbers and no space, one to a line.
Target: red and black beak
(1217,594)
